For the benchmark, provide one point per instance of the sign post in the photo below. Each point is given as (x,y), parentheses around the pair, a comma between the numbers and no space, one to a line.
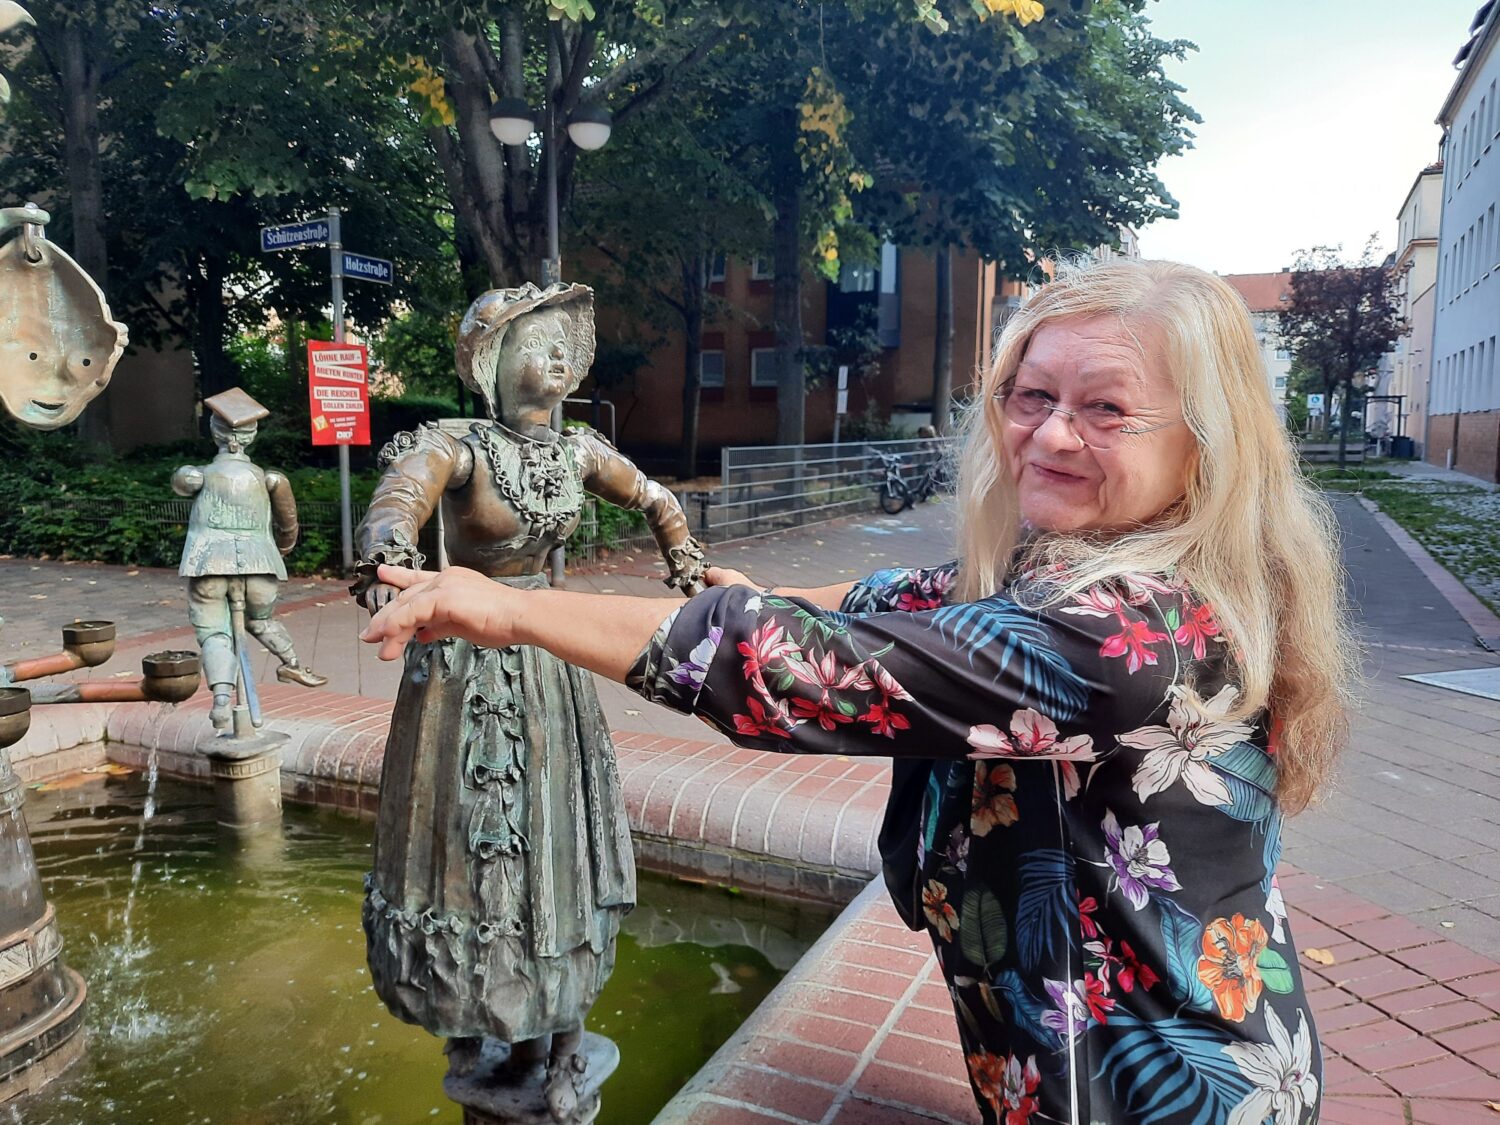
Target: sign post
(336,270)
(842,406)
(341,416)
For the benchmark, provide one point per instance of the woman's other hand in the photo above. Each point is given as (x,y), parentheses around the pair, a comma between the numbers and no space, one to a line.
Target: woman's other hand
(431,605)
(723,576)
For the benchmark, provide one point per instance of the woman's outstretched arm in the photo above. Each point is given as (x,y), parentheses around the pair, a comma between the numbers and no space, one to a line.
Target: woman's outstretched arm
(604,633)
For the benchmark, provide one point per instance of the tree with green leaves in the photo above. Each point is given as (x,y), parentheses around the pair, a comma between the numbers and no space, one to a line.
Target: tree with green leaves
(1015,138)
(1340,318)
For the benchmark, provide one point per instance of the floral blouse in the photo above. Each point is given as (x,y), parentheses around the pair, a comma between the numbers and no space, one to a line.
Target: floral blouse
(1097,843)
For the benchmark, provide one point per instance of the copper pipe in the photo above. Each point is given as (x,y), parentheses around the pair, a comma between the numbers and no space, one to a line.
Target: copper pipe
(96,692)
(39,666)
(171,677)
(86,644)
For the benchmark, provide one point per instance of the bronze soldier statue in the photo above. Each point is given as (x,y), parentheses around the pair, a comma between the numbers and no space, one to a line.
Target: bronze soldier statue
(244,519)
(502,851)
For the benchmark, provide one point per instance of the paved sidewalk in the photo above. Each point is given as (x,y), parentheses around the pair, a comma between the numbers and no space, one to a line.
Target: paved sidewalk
(1413,823)
(149,606)
(1421,470)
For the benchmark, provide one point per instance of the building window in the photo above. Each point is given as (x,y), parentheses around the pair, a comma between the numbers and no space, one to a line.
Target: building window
(762,367)
(716,268)
(761,269)
(1283,354)
(711,367)
(857,279)
(1280,382)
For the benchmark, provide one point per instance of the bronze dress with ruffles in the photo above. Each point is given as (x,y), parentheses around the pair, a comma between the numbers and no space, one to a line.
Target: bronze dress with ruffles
(502,850)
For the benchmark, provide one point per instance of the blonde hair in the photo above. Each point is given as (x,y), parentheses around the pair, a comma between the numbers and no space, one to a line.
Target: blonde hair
(1250,535)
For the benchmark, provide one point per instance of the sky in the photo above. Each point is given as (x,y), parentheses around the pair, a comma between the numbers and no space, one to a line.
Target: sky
(1317,117)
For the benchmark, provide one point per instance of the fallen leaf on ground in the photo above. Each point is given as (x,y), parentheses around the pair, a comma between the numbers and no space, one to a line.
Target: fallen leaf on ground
(1319,956)
(70,781)
(131,573)
(629,712)
(1447,925)
(1493,1106)
(38,597)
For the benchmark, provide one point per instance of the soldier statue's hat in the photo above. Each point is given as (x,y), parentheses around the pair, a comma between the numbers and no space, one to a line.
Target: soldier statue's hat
(482,332)
(236,408)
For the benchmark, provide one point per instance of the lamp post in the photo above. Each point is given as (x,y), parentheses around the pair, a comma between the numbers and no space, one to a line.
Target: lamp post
(512,122)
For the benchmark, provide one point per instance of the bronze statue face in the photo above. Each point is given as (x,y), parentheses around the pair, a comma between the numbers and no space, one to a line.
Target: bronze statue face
(58,345)
(533,371)
(232,439)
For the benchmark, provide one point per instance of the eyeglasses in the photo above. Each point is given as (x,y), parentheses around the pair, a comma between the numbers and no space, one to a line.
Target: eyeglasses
(1098,425)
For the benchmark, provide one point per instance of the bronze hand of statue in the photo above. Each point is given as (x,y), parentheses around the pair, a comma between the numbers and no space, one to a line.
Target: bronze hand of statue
(687,565)
(379,595)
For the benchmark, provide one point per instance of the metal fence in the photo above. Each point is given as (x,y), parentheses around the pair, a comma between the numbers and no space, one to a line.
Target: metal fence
(764,489)
(769,488)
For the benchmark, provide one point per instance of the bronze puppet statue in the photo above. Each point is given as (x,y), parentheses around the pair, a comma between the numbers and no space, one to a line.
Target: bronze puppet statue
(243,520)
(503,859)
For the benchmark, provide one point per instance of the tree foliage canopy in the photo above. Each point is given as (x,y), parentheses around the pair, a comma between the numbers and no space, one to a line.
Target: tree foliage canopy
(164,135)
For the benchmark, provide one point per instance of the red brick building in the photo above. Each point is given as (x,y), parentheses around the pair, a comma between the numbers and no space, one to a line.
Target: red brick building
(739,393)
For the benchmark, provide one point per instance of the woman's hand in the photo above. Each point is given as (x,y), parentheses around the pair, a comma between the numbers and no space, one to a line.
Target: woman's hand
(723,576)
(431,605)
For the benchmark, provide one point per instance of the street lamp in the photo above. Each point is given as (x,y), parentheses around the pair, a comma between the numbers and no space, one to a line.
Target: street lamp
(589,127)
(512,121)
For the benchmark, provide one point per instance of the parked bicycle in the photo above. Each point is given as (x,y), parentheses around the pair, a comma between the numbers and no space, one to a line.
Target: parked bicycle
(897,493)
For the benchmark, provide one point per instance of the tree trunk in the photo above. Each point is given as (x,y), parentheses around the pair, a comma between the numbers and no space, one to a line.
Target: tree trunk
(786,257)
(942,347)
(216,371)
(78,74)
(694,284)
(474,169)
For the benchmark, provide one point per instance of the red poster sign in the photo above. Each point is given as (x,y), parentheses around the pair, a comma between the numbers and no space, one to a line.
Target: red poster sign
(338,391)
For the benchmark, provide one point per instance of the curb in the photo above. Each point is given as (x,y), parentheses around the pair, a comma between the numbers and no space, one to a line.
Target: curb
(1464,601)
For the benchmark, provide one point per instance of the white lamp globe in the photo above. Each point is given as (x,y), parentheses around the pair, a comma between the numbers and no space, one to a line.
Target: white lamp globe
(512,121)
(589,127)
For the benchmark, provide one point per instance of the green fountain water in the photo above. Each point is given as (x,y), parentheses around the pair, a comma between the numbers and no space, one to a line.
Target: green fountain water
(228,982)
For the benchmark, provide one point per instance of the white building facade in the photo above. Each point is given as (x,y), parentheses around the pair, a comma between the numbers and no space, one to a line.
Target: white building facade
(1265,294)
(1417,256)
(1463,422)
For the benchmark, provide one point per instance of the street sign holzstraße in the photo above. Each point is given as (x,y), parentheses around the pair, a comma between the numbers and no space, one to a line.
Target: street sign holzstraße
(362,267)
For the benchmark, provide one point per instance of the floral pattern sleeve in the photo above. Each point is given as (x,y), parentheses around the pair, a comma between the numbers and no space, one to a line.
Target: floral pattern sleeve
(779,673)
(1096,843)
(907,590)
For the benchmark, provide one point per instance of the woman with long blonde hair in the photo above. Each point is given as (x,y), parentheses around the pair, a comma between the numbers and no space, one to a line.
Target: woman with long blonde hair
(1100,714)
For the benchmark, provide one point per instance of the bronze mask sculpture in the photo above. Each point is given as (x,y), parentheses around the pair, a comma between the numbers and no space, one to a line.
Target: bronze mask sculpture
(58,344)
(243,521)
(503,858)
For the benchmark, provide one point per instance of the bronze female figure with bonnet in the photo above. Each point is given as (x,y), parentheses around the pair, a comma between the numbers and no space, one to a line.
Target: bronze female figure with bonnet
(502,855)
